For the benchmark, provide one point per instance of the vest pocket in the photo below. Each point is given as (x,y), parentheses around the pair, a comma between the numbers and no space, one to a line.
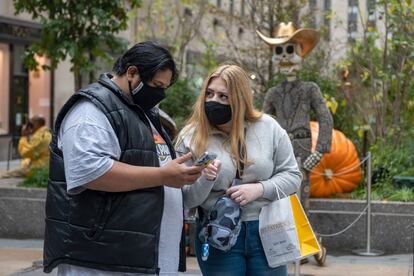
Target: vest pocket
(115,248)
(99,225)
(119,250)
(89,210)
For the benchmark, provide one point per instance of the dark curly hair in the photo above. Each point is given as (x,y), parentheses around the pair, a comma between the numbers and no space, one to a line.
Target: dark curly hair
(149,57)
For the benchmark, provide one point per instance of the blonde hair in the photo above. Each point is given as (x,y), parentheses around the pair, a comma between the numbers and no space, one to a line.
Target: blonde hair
(242,111)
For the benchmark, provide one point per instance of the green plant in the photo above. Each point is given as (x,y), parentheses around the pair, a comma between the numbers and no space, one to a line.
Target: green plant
(82,30)
(403,194)
(37,178)
(393,160)
(389,160)
(209,59)
(179,101)
(380,67)
(386,191)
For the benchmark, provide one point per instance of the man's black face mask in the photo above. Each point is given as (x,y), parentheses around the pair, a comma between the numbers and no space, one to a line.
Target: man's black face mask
(146,96)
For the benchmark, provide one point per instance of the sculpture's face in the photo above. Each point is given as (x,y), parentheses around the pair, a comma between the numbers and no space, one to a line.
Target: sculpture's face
(287,58)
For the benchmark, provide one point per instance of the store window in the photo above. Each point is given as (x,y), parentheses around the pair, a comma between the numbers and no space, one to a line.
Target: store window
(352,20)
(372,16)
(313,7)
(231,7)
(19,90)
(39,91)
(4,88)
(327,6)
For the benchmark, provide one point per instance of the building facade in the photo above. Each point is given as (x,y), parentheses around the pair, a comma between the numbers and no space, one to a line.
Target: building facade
(225,24)
(25,93)
(345,21)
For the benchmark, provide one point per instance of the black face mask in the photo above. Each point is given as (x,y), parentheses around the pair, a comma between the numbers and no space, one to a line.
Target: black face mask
(146,96)
(217,113)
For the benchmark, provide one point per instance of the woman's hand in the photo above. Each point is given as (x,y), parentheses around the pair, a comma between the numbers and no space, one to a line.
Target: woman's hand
(212,170)
(26,130)
(245,193)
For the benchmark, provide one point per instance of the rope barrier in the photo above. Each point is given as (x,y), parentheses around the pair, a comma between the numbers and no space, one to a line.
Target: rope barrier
(367,210)
(360,214)
(346,228)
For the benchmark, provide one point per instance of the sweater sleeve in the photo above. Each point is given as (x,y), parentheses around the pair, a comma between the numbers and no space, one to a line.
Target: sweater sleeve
(31,148)
(25,148)
(268,106)
(286,174)
(324,118)
(195,193)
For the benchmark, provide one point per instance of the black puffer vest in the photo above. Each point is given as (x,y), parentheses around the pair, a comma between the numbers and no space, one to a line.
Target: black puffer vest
(101,230)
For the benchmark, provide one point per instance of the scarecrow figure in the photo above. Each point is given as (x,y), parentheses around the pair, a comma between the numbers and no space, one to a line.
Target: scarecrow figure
(293,101)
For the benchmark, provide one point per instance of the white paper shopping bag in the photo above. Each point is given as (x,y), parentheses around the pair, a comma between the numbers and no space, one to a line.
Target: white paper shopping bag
(278,233)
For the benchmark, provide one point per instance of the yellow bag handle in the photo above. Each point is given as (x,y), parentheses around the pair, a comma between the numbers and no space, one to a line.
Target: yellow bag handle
(309,245)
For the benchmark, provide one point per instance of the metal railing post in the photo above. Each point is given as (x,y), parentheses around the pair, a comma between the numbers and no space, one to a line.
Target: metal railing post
(9,153)
(368,251)
(297,263)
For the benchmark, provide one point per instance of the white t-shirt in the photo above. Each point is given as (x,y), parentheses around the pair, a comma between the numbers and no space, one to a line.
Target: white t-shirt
(90,146)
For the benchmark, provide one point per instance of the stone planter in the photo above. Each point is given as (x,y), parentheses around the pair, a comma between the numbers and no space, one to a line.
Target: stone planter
(22,216)
(22,213)
(392,229)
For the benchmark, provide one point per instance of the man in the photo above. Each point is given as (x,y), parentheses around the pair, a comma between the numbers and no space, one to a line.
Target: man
(293,101)
(114,203)
(33,147)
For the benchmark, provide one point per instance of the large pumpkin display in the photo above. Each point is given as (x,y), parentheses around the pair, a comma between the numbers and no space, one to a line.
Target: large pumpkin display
(339,170)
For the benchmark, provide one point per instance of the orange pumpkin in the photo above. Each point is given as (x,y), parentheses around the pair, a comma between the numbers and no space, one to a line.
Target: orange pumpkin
(339,170)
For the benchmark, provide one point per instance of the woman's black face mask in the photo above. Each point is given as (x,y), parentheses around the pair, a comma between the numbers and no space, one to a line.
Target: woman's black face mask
(146,96)
(217,113)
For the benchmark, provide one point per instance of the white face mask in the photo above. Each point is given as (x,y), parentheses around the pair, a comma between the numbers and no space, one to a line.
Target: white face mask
(287,58)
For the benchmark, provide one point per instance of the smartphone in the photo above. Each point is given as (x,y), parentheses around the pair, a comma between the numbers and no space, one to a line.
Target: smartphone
(205,159)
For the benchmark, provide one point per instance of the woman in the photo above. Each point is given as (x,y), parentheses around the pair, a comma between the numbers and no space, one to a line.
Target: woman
(224,121)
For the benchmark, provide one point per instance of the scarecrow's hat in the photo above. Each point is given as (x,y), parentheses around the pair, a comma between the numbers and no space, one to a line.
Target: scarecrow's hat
(284,33)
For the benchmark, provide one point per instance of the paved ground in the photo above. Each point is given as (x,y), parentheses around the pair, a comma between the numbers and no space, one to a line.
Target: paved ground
(12,164)
(22,257)
(10,182)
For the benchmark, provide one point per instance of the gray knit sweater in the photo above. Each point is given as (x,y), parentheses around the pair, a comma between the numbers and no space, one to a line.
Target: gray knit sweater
(270,150)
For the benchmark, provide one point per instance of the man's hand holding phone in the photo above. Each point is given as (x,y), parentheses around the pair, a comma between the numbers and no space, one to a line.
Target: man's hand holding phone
(177,174)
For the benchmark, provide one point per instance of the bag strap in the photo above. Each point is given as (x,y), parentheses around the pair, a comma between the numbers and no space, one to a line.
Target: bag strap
(241,164)
(238,175)
(277,191)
